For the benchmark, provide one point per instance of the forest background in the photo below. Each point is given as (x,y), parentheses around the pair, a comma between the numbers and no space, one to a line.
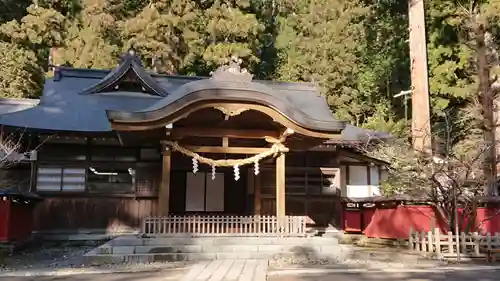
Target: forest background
(356,51)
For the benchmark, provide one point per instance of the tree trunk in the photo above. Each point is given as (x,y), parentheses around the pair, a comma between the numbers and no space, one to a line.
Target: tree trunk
(420,125)
(486,97)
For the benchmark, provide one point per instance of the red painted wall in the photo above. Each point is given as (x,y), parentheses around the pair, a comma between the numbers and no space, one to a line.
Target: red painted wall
(488,219)
(352,220)
(396,222)
(4,220)
(16,221)
(21,221)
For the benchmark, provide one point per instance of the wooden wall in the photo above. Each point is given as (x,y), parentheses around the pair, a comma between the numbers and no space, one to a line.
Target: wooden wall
(305,195)
(111,213)
(304,191)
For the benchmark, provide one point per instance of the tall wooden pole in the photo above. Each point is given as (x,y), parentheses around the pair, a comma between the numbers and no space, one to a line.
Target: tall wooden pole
(420,125)
(488,116)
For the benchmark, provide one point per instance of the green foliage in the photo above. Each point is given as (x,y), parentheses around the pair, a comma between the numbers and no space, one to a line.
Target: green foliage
(20,76)
(319,42)
(356,51)
(39,28)
(89,39)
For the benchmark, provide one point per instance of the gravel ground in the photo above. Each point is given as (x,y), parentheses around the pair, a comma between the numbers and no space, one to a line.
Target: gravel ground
(65,260)
(359,257)
(61,260)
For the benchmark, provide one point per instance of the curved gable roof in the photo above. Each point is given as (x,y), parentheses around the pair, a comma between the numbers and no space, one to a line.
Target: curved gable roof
(130,64)
(207,90)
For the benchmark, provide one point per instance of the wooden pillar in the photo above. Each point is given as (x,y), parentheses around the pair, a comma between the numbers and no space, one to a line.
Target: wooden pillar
(257,200)
(164,193)
(280,185)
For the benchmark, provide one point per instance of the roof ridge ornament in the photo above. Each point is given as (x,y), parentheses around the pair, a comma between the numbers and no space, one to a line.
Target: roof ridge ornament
(131,55)
(232,72)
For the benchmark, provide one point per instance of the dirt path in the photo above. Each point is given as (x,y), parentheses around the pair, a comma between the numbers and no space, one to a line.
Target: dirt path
(461,274)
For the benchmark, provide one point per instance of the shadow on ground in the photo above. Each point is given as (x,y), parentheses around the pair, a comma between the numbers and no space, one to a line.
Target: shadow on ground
(455,275)
(352,256)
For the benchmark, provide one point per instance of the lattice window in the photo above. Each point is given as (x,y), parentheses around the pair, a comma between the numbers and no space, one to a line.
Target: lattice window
(61,179)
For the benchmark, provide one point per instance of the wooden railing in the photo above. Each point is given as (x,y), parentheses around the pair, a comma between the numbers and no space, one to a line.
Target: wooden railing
(225,226)
(447,245)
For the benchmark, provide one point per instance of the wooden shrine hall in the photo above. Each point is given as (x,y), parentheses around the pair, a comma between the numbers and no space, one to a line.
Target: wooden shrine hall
(176,154)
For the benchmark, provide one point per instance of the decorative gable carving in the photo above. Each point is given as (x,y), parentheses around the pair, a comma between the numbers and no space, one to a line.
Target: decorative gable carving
(129,76)
(232,72)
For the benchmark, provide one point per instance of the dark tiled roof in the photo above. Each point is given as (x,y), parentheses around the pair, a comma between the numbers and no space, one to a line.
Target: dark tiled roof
(353,134)
(62,107)
(13,105)
(72,101)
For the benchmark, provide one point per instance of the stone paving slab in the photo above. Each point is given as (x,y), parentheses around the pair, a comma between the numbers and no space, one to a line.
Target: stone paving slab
(228,270)
(130,276)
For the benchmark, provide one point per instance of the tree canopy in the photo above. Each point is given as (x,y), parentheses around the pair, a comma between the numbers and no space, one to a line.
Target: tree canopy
(355,51)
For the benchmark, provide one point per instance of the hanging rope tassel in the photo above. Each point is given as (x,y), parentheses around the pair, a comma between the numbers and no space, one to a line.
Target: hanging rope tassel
(213,172)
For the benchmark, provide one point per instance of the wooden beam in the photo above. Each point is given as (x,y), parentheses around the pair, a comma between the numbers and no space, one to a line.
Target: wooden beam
(164,193)
(285,134)
(229,150)
(280,186)
(217,133)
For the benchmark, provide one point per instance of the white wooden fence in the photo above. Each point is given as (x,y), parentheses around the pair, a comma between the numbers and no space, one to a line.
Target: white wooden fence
(225,226)
(443,245)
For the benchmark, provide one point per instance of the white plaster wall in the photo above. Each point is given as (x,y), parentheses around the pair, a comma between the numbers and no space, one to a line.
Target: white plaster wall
(343,183)
(358,182)
(374,181)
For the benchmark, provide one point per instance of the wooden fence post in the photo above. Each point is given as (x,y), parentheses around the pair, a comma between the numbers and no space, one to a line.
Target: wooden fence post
(437,241)
(410,240)
(477,245)
(430,242)
(451,243)
(423,245)
(497,240)
(463,242)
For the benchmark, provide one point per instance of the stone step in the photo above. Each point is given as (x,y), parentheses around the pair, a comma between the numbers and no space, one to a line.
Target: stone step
(171,241)
(105,249)
(302,254)
(171,257)
(137,249)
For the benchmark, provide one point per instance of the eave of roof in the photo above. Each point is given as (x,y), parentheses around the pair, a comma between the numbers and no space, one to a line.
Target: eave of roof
(8,105)
(63,107)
